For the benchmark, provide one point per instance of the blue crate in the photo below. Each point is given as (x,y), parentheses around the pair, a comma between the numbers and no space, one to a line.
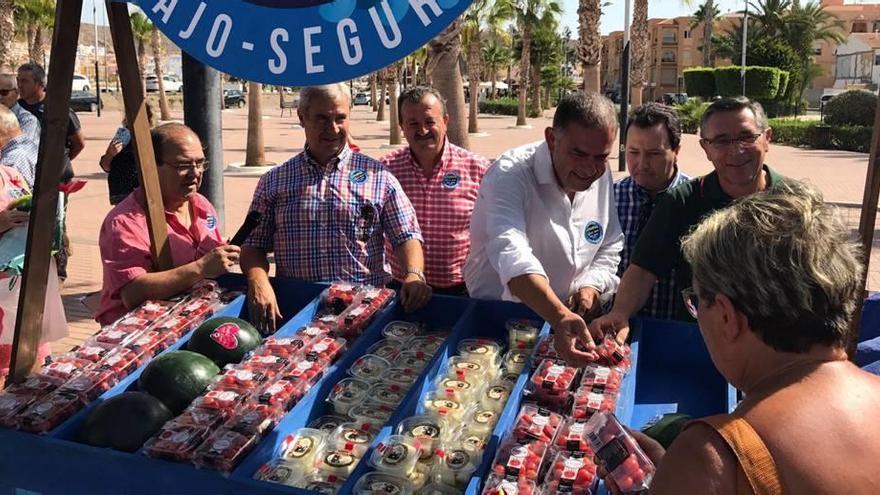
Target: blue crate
(56,463)
(674,373)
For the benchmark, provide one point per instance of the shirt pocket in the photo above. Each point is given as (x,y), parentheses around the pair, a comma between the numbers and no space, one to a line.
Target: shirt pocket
(357,222)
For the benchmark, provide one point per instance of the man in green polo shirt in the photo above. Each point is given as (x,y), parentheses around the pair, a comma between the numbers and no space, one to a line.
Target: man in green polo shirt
(736,138)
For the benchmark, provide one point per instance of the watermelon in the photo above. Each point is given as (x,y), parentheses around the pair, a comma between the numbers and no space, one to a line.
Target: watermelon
(224,340)
(176,378)
(124,422)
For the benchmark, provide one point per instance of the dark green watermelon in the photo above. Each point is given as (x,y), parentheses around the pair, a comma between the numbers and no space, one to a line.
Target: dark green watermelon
(225,340)
(124,422)
(176,378)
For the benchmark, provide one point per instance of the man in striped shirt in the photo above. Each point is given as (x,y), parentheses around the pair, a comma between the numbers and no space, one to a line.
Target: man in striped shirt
(653,138)
(442,180)
(327,212)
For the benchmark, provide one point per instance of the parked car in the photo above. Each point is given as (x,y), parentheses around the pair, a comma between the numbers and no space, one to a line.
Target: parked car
(172,84)
(362,99)
(233,98)
(675,98)
(80,83)
(83,101)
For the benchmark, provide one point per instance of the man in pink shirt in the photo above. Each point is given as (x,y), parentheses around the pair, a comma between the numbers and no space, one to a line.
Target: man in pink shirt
(197,249)
(442,181)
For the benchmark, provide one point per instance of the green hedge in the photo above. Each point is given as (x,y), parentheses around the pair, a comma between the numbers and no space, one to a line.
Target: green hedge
(795,132)
(761,82)
(784,77)
(853,107)
(700,81)
(501,106)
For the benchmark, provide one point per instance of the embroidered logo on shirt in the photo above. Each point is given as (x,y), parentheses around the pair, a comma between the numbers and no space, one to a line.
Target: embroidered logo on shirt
(593,232)
(357,176)
(211,221)
(450,180)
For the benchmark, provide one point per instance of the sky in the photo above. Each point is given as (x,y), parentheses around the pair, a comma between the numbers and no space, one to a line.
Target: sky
(612,18)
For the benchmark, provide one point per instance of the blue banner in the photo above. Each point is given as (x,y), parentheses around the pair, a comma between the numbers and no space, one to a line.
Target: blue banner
(300,42)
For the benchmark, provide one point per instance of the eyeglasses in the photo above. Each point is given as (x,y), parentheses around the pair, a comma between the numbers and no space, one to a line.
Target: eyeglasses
(747,141)
(184,167)
(4,92)
(691,300)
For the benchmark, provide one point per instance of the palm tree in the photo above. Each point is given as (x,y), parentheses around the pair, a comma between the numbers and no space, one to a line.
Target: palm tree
(142,29)
(392,74)
(495,57)
(444,72)
(639,51)
(488,14)
(373,103)
(164,111)
(7,34)
(528,14)
(255,156)
(590,42)
(380,111)
(45,23)
(707,14)
(29,15)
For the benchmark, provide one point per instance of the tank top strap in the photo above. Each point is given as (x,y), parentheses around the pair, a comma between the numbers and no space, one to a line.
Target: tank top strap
(756,461)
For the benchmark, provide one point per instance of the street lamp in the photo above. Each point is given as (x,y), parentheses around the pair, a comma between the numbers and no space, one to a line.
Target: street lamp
(744,49)
(97,71)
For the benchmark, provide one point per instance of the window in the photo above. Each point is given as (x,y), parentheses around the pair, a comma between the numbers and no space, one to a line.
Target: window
(877,59)
(668,77)
(859,27)
(668,37)
(668,56)
(686,58)
(876,27)
(817,50)
(687,34)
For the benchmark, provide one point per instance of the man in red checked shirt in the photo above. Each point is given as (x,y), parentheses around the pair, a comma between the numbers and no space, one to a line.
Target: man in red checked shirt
(442,181)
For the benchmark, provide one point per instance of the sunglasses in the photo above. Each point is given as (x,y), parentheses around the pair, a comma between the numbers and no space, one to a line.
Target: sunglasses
(4,92)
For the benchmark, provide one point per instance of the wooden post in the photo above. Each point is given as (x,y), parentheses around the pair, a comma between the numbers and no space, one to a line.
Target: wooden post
(866,225)
(32,299)
(136,115)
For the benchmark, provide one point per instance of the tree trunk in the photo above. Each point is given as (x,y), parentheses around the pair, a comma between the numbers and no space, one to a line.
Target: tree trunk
(473,60)
(373,102)
(445,72)
(142,65)
(394,123)
(39,46)
(635,95)
(535,90)
(524,74)
(380,113)
(413,69)
(591,78)
(7,36)
(256,152)
(30,33)
(708,8)
(164,111)
(494,76)
(548,96)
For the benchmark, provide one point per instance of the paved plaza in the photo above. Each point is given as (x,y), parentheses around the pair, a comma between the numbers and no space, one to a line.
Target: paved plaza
(839,174)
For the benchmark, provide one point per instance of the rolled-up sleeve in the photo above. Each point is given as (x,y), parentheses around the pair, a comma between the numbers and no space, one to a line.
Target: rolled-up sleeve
(398,216)
(264,202)
(508,249)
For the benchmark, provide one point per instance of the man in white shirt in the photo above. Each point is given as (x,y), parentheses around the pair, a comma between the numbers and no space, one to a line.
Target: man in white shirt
(545,227)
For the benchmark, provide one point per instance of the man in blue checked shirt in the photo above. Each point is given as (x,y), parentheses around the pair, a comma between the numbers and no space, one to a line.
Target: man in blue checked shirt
(653,139)
(327,212)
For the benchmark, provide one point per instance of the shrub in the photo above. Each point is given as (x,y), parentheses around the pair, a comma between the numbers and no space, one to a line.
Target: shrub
(852,138)
(501,106)
(793,132)
(784,77)
(689,115)
(853,107)
(761,82)
(700,81)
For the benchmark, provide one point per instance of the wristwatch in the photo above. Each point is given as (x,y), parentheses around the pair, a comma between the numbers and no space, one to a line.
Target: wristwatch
(417,273)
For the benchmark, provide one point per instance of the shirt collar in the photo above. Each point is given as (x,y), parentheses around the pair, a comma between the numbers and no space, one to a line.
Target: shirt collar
(676,180)
(544,166)
(339,161)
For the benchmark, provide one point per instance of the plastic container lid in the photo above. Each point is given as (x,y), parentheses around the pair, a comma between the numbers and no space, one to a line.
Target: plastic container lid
(396,454)
(328,423)
(371,413)
(425,429)
(347,393)
(464,369)
(429,344)
(483,351)
(388,394)
(401,330)
(337,461)
(416,360)
(515,360)
(496,395)
(402,377)
(460,390)
(455,464)
(522,333)
(302,447)
(369,367)
(442,408)
(386,348)
(382,484)
(438,489)
(352,436)
(280,471)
